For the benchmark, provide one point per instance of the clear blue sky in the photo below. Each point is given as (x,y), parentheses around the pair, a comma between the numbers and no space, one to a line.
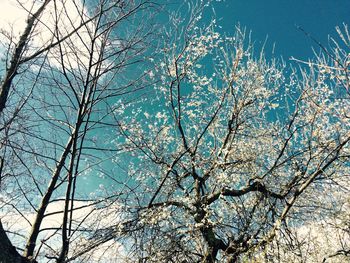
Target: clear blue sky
(277,19)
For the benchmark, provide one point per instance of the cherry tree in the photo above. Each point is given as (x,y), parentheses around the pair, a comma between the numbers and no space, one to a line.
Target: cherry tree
(324,234)
(234,152)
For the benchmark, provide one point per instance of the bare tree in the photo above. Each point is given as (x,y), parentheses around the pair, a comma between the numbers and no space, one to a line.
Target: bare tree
(73,67)
(16,57)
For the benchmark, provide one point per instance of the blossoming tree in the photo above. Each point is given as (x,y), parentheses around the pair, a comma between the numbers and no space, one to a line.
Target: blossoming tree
(234,151)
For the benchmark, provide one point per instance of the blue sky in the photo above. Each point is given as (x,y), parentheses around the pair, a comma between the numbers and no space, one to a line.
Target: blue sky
(277,19)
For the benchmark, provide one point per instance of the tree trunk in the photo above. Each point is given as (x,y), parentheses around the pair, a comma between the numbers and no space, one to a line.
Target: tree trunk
(8,253)
(11,71)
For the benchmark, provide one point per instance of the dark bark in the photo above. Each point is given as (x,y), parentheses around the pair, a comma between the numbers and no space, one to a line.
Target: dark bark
(254,187)
(15,62)
(8,253)
(214,245)
(31,243)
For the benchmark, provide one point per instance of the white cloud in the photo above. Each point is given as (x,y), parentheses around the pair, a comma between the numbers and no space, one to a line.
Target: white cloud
(66,14)
(11,15)
(86,216)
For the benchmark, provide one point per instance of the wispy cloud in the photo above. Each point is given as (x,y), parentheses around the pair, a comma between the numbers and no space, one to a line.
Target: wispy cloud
(86,217)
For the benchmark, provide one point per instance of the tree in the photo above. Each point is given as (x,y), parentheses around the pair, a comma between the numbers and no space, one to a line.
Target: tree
(71,65)
(324,236)
(236,153)
(231,158)
(16,57)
